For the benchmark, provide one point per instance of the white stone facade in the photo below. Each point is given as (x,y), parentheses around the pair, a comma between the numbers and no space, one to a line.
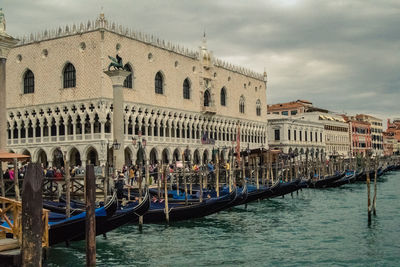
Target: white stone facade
(296,135)
(336,132)
(78,120)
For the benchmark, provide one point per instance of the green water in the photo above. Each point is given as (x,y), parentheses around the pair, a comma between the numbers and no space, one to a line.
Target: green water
(314,228)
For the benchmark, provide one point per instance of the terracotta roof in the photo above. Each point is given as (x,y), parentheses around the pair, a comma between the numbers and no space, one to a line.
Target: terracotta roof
(5,156)
(304,101)
(284,105)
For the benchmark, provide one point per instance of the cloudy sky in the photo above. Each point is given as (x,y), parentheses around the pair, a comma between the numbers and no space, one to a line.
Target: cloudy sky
(341,55)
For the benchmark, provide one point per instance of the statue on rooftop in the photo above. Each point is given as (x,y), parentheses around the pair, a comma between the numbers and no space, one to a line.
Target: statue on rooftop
(2,21)
(116,63)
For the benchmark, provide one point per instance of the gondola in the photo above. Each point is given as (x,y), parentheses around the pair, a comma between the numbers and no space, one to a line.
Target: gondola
(240,198)
(60,207)
(344,180)
(363,177)
(326,182)
(262,192)
(180,211)
(123,215)
(67,229)
(286,188)
(304,183)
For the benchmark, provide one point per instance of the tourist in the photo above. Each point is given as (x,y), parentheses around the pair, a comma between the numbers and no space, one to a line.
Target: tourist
(11,172)
(49,173)
(131,175)
(58,175)
(119,185)
(6,174)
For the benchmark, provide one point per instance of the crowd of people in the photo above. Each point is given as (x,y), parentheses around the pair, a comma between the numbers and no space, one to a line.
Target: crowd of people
(130,174)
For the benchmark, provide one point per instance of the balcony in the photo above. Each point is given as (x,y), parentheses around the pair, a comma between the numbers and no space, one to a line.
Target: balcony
(209,110)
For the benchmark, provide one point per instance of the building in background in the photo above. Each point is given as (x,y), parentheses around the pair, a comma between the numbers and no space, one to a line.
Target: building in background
(376,132)
(389,143)
(394,129)
(296,135)
(60,101)
(293,108)
(336,132)
(360,134)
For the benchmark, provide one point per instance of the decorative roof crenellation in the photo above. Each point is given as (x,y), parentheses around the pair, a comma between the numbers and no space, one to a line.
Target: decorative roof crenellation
(102,24)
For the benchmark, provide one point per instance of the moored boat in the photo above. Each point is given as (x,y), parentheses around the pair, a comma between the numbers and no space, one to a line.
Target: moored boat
(327,181)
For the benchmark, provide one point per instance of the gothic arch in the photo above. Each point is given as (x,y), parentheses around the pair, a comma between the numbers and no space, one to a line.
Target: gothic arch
(74,156)
(177,155)
(165,155)
(154,155)
(40,156)
(92,156)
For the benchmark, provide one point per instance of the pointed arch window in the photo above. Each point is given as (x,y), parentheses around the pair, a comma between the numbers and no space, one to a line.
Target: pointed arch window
(159,83)
(258,107)
(207,98)
(186,89)
(241,104)
(128,79)
(223,96)
(29,82)
(69,76)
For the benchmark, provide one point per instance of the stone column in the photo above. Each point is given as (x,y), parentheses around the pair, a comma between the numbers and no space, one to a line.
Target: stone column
(3,113)
(41,130)
(6,43)
(117,79)
(102,129)
(92,128)
(57,131)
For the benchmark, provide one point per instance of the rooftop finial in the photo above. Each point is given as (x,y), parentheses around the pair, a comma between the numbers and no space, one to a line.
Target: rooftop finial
(265,75)
(102,13)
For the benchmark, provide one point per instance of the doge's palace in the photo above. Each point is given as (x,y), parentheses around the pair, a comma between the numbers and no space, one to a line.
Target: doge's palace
(60,101)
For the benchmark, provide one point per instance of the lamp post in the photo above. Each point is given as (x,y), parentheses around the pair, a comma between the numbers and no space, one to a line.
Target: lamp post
(139,143)
(115,146)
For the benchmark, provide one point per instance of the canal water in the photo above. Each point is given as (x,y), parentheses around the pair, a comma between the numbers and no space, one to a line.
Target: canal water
(314,228)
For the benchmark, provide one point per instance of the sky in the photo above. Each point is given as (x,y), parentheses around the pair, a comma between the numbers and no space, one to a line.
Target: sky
(343,56)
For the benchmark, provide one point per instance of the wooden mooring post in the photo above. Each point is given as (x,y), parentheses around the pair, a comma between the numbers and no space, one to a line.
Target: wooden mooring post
(368,189)
(217,174)
(185,182)
(375,188)
(32,203)
(16,182)
(68,190)
(141,191)
(3,190)
(166,210)
(90,194)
